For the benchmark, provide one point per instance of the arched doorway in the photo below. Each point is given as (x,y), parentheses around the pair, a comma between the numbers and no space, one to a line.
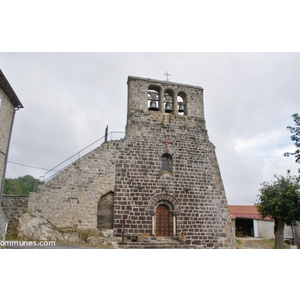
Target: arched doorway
(162,220)
(105,211)
(170,205)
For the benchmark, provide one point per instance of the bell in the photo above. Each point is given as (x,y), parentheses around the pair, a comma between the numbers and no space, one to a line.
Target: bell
(168,107)
(181,108)
(153,105)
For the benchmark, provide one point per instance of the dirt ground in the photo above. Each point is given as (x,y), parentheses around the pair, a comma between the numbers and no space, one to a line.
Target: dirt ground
(256,243)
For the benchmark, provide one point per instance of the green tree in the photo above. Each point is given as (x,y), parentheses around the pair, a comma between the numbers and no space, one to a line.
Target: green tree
(296,138)
(280,200)
(21,185)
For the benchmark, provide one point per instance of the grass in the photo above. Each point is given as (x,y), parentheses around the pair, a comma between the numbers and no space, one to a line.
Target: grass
(245,243)
(269,242)
(12,233)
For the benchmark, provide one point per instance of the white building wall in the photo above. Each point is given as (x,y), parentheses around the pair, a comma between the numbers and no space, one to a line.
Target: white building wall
(266,229)
(288,233)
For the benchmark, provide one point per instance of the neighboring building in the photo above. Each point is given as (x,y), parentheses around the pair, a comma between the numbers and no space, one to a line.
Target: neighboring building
(161,180)
(9,103)
(248,222)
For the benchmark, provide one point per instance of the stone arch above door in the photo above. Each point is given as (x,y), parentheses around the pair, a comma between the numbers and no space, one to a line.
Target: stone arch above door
(166,199)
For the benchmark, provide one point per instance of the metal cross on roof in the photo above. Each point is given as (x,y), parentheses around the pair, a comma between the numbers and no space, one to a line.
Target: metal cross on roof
(167,142)
(167,74)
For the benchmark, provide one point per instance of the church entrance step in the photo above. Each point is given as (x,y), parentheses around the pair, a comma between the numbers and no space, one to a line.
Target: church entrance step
(155,246)
(158,243)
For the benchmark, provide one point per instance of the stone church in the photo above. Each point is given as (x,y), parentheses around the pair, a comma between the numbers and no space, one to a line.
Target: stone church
(162,181)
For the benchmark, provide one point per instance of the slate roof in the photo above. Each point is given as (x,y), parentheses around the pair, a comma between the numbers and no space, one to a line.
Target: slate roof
(8,90)
(245,212)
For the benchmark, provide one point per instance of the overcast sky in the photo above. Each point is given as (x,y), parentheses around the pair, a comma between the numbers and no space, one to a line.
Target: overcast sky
(69,98)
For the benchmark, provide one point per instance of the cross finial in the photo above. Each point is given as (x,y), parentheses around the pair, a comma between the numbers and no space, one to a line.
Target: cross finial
(167,74)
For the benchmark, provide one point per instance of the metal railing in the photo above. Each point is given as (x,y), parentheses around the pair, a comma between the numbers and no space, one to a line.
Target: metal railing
(113,135)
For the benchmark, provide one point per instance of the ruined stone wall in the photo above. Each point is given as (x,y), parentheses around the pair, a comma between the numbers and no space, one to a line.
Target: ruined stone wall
(13,207)
(199,209)
(6,119)
(71,198)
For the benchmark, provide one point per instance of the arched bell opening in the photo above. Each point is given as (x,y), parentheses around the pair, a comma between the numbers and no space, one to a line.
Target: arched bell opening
(181,102)
(169,101)
(153,98)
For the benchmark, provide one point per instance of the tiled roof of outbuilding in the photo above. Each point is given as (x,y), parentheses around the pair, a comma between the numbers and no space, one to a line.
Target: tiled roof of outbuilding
(245,211)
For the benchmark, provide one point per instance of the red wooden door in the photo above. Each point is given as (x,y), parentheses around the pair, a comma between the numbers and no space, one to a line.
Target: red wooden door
(162,221)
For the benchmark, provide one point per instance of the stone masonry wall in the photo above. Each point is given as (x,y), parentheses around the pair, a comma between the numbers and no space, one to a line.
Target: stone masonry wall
(137,95)
(71,198)
(6,118)
(195,182)
(13,207)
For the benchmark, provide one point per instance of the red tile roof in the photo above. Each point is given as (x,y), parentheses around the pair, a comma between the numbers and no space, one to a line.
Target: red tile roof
(245,211)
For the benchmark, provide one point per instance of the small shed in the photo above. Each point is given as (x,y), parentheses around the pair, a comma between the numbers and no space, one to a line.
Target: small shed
(248,222)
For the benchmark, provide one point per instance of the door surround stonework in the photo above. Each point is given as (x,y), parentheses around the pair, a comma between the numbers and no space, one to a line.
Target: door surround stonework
(166,199)
(174,210)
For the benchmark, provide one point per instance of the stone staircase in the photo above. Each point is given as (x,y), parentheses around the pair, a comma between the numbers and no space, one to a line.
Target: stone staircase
(158,243)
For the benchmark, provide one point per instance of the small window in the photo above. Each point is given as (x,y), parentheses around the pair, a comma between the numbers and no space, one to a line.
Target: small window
(166,162)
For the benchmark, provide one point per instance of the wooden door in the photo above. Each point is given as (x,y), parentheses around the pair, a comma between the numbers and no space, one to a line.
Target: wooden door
(162,221)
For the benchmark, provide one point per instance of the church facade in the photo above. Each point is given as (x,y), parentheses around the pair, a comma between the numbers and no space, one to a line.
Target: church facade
(161,181)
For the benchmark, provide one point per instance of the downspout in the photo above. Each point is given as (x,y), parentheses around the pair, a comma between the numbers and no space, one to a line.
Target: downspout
(6,156)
